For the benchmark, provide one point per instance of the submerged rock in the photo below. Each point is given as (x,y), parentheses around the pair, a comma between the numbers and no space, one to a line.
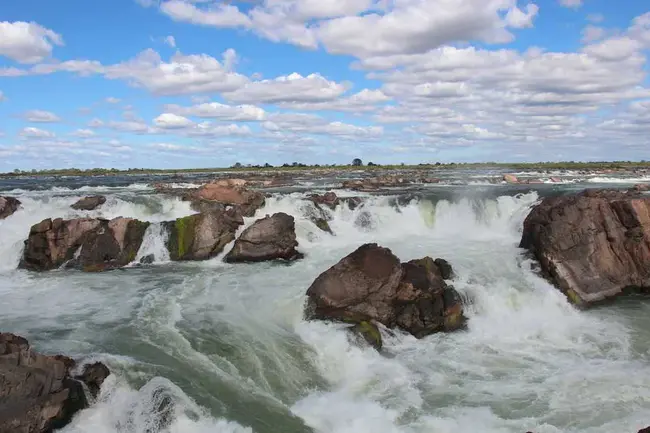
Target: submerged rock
(369,333)
(40,393)
(328,199)
(8,205)
(200,236)
(89,203)
(86,243)
(371,284)
(270,238)
(593,245)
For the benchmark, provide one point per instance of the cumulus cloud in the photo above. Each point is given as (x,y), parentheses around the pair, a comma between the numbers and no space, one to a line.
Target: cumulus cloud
(172,121)
(27,42)
(592,33)
(84,133)
(40,116)
(31,132)
(112,100)
(290,88)
(217,110)
(571,3)
(171,41)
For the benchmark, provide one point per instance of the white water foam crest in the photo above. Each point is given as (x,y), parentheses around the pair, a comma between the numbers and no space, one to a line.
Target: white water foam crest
(121,409)
(154,243)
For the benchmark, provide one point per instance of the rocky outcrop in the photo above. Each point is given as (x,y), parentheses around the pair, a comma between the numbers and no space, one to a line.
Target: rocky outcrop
(86,243)
(510,178)
(328,199)
(229,192)
(41,393)
(8,205)
(371,284)
(593,245)
(89,203)
(270,238)
(373,184)
(201,236)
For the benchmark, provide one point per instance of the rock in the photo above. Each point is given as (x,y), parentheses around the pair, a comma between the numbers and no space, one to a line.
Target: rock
(352,202)
(556,180)
(593,245)
(8,205)
(200,236)
(40,393)
(328,199)
(148,259)
(371,284)
(642,187)
(446,271)
(644,430)
(373,184)
(322,224)
(270,238)
(510,178)
(369,333)
(86,243)
(89,203)
(231,194)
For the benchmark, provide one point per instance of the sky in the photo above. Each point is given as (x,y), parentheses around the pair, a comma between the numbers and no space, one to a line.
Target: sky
(209,83)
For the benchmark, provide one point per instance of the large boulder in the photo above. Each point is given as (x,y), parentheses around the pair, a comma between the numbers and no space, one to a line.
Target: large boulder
(371,284)
(86,243)
(201,236)
(592,245)
(270,238)
(8,205)
(41,393)
(89,203)
(231,193)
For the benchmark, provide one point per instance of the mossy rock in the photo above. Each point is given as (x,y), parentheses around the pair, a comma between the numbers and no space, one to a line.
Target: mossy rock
(181,237)
(322,224)
(574,298)
(369,332)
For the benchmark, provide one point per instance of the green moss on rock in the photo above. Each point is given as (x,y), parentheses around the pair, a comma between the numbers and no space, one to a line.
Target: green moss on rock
(369,332)
(181,237)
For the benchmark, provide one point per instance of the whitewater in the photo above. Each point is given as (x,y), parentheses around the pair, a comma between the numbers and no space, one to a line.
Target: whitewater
(226,344)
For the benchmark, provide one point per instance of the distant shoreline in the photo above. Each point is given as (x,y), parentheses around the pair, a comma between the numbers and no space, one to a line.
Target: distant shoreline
(570,165)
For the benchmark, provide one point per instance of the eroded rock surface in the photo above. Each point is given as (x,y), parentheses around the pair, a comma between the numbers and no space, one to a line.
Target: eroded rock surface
(89,203)
(371,284)
(40,393)
(270,238)
(593,245)
(8,206)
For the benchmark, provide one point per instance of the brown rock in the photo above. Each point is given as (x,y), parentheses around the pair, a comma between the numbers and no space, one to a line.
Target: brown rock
(39,393)
(645,430)
(510,178)
(231,194)
(371,284)
(270,238)
(641,187)
(89,203)
(8,205)
(201,236)
(86,243)
(593,245)
(328,199)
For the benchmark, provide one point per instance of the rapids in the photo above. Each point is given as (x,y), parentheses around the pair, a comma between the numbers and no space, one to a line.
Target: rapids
(227,345)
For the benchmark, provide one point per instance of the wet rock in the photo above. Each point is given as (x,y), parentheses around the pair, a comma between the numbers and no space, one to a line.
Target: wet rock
(40,393)
(593,245)
(270,238)
(446,271)
(200,236)
(371,284)
(352,202)
(86,243)
(510,178)
(367,332)
(8,205)
(642,187)
(148,259)
(328,199)
(231,193)
(322,224)
(373,184)
(644,430)
(89,203)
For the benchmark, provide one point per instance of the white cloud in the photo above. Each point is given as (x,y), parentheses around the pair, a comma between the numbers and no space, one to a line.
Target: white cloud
(96,123)
(595,18)
(183,74)
(221,15)
(27,42)
(592,33)
(84,133)
(133,126)
(171,41)
(519,19)
(112,100)
(208,129)
(220,111)
(571,3)
(290,88)
(172,121)
(31,132)
(364,101)
(40,116)
(166,146)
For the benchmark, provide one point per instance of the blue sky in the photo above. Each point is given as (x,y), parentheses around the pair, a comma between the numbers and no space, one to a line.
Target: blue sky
(203,83)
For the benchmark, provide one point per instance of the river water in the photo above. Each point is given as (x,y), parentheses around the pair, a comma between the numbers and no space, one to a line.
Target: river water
(227,344)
